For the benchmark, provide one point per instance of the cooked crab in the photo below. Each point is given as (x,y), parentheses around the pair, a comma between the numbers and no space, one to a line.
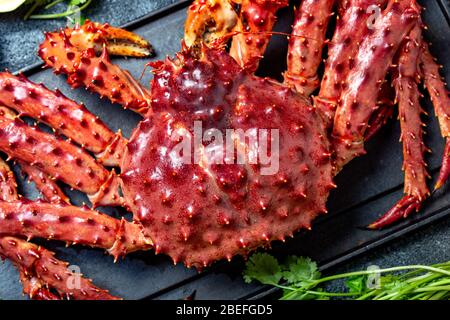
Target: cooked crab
(201,212)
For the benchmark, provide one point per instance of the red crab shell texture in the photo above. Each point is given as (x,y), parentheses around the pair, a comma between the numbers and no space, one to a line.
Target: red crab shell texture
(198,214)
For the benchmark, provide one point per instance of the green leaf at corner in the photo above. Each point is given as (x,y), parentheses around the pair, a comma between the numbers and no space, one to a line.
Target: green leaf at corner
(300,271)
(264,268)
(10,5)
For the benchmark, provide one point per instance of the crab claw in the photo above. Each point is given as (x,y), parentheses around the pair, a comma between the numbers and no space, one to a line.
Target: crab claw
(445,169)
(401,210)
(83,54)
(118,41)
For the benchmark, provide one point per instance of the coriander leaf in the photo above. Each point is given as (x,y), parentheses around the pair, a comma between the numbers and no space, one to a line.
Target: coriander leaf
(420,283)
(76,2)
(393,285)
(263,268)
(300,271)
(356,284)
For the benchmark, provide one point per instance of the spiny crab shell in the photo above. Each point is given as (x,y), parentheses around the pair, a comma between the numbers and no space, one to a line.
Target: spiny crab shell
(202,213)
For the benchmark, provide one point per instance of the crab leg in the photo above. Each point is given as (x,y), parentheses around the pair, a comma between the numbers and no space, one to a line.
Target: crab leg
(61,221)
(351,29)
(306,44)
(441,102)
(57,111)
(37,266)
(257,18)
(60,160)
(372,62)
(40,219)
(34,287)
(57,157)
(97,73)
(45,184)
(414,165)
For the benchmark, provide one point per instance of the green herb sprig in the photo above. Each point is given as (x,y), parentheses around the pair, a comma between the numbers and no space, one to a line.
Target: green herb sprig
(300,279)
(73,7)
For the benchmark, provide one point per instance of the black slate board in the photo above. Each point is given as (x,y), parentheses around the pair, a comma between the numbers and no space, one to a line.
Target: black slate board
(367,187)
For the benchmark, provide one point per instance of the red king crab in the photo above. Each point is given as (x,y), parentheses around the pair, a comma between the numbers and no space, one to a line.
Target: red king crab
(203,212)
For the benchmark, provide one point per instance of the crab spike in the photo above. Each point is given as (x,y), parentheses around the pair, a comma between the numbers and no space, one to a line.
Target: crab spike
(57,111)
(40,269)
(208,21)
(108,194)
(87,63)
(306,44)
(350,31)
(441,103)
(114,152)
(255,23)
(49,188)
(371,65)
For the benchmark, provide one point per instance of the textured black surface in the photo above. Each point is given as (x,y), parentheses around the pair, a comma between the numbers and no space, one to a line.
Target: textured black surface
(367,187)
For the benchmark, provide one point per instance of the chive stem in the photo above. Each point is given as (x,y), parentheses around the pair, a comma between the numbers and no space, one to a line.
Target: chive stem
(61,14)
(52,4)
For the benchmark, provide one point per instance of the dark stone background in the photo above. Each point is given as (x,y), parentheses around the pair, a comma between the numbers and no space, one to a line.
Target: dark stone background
(18,45)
